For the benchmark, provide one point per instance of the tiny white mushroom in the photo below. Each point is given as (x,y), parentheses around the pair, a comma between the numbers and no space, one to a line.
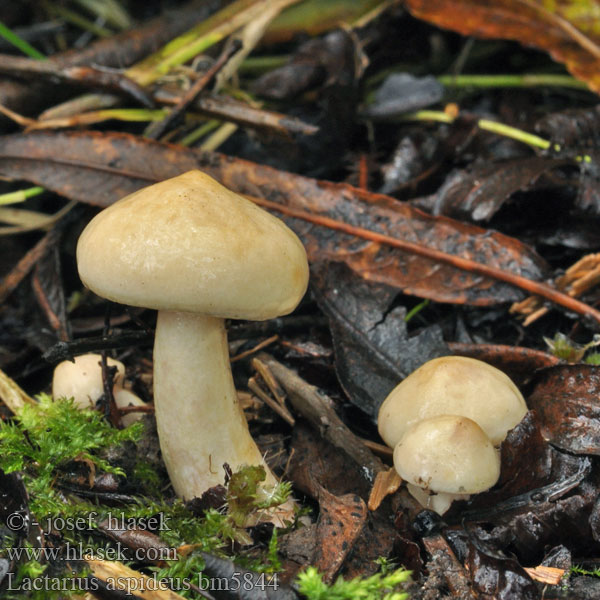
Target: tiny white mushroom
(445,458)
(198,253)
(453,385)
(81,379)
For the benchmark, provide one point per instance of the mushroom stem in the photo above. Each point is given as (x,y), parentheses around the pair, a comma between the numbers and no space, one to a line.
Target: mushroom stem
(200,423)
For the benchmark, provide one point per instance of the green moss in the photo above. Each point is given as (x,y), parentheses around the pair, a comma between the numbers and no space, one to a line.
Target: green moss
(44,438)
(562,347)
(380,586)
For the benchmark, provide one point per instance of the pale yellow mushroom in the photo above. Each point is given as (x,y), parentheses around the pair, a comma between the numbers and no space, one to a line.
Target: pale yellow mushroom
(81,379)
(446,458)
(198,253)
(453,385)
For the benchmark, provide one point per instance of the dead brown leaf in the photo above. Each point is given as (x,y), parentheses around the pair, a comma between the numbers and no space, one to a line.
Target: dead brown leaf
(566,29)
(99,168)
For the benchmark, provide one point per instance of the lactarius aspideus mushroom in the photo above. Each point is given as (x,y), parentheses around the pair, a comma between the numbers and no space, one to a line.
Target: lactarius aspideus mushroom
(446,458)
(453,385)
(199,254)
(487,405)
(81,379)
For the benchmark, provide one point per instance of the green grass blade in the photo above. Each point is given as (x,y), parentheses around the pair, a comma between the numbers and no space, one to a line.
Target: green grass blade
(12,38)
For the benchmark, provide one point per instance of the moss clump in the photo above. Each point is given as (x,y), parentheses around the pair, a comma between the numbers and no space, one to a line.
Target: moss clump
(381,586)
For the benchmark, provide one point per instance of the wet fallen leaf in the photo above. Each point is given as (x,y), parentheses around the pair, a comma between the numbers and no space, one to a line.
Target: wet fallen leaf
(566,400)
(341,520)
(566,29)
(316,464)
(99,168)
(402,93)
(373,351)
(377,538)
(497,577)
(576,135)
(317,62)
(479,192)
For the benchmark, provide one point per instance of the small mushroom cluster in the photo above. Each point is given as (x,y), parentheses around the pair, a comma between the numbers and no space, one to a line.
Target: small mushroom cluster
(446,421)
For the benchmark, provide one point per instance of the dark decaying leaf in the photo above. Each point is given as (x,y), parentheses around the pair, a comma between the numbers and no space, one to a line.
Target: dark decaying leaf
(345,528)
(548,517)
(373,351)
(401,93)
(543,495)
(377,538)
(49,291)
(316,62)
(99,168)
(341,520)
(574,130)
(519,476)
(412,157)
(332,66)
(419,155)
(497,577)
(315,464)
(576,134)
(567,401)
(479,192)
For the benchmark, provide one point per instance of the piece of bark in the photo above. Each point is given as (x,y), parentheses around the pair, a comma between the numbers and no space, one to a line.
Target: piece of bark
(456,579)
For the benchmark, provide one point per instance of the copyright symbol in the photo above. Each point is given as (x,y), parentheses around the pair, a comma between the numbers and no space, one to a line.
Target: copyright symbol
(15,521)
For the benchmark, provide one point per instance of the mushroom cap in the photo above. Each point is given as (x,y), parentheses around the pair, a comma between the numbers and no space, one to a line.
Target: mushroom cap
(81,379)
(447,453)
(453,385)
(190,244)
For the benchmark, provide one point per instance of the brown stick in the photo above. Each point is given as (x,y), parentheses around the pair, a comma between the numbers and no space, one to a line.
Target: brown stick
(156,130)
(117,51)
(22,268)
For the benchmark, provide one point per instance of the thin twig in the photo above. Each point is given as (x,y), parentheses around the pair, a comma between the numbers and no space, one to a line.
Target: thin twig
(156,130)
(255,349)
(255,388)
(24,266)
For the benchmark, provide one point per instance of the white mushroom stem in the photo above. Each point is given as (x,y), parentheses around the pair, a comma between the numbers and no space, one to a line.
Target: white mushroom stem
(200,423)
(438,502)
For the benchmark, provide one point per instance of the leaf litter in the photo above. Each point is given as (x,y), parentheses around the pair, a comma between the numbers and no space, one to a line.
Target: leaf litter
(544,512)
